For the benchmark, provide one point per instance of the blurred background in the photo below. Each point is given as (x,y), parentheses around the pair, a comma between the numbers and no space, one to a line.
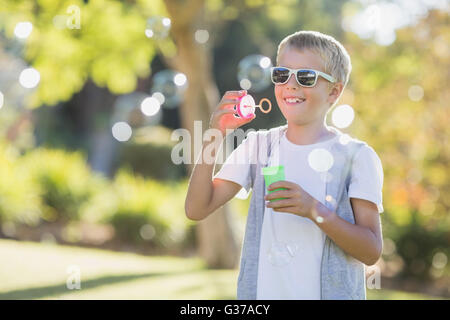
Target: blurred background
(91,204)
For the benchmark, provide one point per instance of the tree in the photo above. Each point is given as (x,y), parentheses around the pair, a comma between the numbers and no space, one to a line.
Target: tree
(109,53)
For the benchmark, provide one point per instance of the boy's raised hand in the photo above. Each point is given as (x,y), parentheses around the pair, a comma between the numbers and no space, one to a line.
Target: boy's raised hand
(223,117)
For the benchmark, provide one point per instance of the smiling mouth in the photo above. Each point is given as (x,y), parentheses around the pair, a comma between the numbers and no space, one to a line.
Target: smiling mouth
(293,101)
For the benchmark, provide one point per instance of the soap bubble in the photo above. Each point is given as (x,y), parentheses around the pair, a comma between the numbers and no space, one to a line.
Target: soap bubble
(201,36)
(440,260)
(254,70)
(281,254)
(147,232)
(137,108)
(157,27)
(23,29)
(121,131)
(245,84)
(29,78)
(343,116)
(180,79)
(150,106)
(415,93)
(320,160)
(171,85)
(159,96)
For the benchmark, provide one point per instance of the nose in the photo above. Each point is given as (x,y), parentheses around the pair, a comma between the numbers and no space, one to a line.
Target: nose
(292,82)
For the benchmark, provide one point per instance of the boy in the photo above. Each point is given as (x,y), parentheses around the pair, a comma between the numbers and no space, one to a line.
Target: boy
(312,243)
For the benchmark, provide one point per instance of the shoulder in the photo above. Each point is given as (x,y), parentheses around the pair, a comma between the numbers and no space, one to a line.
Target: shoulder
(367,159)
(355,150)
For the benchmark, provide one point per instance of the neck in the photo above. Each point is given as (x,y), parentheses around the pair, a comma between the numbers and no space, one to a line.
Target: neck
(308,133)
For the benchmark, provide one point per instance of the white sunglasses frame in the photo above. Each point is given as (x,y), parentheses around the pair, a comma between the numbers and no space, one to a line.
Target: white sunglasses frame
(294,71)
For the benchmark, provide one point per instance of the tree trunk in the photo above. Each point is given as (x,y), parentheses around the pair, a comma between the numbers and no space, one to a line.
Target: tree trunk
(215,240)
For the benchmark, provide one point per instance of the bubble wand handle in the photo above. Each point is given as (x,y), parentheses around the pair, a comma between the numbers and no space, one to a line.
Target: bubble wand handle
(269,108)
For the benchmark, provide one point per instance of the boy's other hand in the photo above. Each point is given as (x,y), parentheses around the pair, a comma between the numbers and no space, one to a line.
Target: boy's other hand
(224,117)
(297,201)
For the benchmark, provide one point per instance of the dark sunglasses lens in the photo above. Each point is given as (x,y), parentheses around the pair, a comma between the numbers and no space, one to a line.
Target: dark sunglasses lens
(306,78)
(280,75)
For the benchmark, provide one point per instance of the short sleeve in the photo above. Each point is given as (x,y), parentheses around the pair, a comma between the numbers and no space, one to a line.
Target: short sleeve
(237,166)
(367,177)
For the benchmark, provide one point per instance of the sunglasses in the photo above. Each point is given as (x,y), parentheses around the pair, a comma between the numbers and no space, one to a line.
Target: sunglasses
(305,77)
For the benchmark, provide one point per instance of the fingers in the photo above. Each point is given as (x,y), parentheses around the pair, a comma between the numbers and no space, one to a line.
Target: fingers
(234,94)
(282,184)
(283,203)
(224,111)
(227,102)
(286,209)
(279,194)
(250,119)
(231,98)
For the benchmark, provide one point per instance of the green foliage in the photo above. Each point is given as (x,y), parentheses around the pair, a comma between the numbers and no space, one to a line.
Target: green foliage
(65,181)
(19,199)
(58,186)
(110,46)
(416,245)
(141,210)
(408,133)
(149,154)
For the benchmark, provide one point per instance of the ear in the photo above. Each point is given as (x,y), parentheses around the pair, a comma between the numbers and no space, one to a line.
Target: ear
(335,92)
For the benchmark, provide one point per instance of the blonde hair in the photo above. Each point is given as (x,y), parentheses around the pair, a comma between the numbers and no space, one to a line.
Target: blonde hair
(334,56)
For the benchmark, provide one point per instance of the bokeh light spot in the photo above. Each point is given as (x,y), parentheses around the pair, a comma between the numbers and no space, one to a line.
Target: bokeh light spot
(320,160)
(245,84)
(121,131)
(180,79)
(159,96)
(415,93)
(23,30)
(29,78)
(343,116)
(440,260)
(150,106)
(201,36)
(147,232)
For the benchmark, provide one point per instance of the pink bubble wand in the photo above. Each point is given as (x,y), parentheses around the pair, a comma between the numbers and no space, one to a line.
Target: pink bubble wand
(247,106)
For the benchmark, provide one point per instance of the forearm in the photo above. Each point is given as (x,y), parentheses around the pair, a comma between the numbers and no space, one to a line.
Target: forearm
(358,241)
(201,188)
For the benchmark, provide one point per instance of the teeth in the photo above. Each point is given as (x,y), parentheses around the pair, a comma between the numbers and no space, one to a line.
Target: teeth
(293,100)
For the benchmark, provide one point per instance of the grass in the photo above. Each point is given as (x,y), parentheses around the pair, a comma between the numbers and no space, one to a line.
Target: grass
(31,270)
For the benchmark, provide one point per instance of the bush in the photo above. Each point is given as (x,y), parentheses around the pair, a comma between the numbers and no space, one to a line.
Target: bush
(417,246)
(141,210)
(59,187)
(64,179)
(149,155)
(19,197)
